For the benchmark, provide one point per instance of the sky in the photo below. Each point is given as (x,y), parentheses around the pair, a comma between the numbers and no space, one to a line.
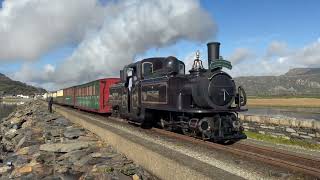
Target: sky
(56,44)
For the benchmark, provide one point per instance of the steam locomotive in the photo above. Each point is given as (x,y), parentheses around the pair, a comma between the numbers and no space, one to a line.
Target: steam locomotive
(204,103)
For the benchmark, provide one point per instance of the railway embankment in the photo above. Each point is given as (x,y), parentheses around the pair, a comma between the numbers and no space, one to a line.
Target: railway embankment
(37,145)
(290,129)
(173,156)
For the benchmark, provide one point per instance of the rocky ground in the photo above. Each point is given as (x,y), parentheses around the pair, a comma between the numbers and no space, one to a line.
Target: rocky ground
(39,145)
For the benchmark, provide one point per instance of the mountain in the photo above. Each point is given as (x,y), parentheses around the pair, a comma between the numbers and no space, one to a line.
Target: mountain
(11,87)
(296,82)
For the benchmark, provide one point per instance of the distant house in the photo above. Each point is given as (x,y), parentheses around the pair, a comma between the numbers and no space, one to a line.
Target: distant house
(23,96)
(45,96)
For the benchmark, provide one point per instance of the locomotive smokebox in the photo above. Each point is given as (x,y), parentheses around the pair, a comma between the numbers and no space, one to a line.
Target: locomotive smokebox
(213,52)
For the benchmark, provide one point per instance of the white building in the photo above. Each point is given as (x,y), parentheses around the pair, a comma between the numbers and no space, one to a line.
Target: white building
(23,96)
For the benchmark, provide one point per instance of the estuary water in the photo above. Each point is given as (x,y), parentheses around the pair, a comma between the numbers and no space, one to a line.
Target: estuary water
(279,112)
(6,109)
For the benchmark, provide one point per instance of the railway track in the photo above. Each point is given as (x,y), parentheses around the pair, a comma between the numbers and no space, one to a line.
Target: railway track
(267,155)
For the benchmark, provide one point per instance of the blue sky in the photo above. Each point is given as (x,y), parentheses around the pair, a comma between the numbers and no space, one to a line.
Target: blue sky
(246,24)
(253,24)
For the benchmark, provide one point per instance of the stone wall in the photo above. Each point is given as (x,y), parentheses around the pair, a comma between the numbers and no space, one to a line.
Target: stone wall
(308,130)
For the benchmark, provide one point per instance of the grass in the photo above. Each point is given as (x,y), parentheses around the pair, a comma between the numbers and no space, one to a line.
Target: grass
(283,97)
(285,102)
(279,140)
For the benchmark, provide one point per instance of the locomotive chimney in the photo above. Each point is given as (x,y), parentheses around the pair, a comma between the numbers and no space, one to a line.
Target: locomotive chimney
(213,52)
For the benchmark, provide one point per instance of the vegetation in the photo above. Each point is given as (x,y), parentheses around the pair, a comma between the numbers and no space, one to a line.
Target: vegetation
(285,102)
(284,97)
(279,140)
(10,87)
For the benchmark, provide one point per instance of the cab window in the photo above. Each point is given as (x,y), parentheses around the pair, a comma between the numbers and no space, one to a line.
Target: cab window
(147,68)
(181,68)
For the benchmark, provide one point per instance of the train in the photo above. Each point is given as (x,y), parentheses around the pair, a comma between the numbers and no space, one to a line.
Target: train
(157,91)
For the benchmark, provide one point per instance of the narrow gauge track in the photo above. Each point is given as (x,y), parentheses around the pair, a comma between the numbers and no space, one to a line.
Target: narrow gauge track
(266,155)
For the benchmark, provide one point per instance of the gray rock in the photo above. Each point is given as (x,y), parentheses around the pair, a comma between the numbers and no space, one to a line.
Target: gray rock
(290,130)
(305,137)
(61,121)
(312,135)
(4,169)
(73,133)
(17,122)
(73,156)
(268,127)
(63,147)
(83,161)
(21,160)
(11,133)
(22,140)
(7,146)
(295,134)
(301,132)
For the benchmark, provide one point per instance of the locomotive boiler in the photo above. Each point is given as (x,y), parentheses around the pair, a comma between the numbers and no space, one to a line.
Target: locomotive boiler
(204,103)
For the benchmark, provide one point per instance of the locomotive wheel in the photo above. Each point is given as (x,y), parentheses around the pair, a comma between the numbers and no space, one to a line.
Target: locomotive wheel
(164,125)
(186,131)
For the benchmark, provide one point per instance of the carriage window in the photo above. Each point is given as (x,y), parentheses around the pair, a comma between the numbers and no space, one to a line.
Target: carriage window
(181,69)
(147,68)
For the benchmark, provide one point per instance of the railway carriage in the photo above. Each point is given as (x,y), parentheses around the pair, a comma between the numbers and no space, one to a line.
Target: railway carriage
(93,96)
(60,98)
(69,96)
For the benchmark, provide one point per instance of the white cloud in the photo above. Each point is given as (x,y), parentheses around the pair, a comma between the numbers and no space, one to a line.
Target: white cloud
(239,55)
(129,28)
(277,48)
(279,59)
(309,55)
(31,28)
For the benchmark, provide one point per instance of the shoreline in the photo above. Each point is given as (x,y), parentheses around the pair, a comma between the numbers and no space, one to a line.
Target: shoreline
(35,144)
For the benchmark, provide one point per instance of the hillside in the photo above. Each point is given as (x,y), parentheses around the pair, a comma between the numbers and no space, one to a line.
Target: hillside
(296,82)
(11,87)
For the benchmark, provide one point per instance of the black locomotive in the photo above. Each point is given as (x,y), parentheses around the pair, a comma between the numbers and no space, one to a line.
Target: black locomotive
(204,103)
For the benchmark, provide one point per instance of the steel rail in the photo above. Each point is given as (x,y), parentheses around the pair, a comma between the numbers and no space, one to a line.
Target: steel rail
(283,162)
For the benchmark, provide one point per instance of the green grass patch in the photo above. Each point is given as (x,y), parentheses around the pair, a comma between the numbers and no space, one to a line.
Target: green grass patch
(279,140)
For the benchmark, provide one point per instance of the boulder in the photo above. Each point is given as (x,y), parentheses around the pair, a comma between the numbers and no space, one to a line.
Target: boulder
(18,121)
(64,147)
(135,177)
(4,169)
(290,130)
(73,133)
(83,161)
(7,145)
(73,156)
(61,122)
(11,133)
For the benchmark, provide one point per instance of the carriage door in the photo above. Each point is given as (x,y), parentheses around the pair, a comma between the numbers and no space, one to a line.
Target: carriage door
(133,91)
